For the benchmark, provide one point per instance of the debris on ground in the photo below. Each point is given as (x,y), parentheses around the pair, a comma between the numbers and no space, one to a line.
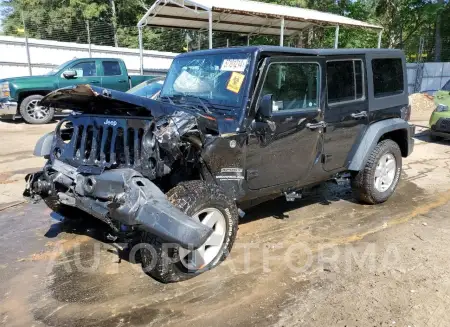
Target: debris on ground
(421,106)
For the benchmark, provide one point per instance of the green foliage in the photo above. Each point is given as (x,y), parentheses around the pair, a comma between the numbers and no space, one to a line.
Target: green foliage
(404,23)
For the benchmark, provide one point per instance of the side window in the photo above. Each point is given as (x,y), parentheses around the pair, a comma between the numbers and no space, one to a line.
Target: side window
(294,86)
(345,81)
(86,68)
(111,68)
(387,77)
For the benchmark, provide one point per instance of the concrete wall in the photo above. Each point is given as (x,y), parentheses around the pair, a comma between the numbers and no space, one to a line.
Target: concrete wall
(45,55)
(435,75)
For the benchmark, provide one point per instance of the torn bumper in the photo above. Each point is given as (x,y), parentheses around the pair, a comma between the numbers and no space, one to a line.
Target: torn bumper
(124,196)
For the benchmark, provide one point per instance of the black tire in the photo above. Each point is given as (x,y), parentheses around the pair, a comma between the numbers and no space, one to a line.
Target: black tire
(190,197)
(363,184)
(32,120)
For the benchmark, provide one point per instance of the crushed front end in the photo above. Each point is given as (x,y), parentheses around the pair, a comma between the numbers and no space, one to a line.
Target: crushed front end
(107,166)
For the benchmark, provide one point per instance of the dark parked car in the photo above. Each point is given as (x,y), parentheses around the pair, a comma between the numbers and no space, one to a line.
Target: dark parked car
(233,127)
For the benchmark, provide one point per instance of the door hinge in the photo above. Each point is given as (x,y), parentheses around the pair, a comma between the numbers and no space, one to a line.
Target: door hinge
(252,173)
(326,158)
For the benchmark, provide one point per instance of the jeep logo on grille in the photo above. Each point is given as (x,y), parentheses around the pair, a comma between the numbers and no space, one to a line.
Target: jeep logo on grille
(110,122)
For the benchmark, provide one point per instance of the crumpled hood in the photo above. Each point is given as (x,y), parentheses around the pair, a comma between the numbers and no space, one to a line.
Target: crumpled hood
(97,100)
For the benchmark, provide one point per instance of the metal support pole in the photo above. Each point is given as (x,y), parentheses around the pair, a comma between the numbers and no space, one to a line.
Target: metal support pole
(336,38)
(228,43)
(248,39)
(282,32)
(27,48)
(141,50)
(380,33)
(89,39)
(210,35)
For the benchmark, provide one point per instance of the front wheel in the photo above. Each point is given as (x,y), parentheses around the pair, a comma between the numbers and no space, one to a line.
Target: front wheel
(377,181)
(208,204)
(33,113)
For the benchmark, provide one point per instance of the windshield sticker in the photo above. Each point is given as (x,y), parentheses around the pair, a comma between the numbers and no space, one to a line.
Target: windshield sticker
(234,65)
(235,82)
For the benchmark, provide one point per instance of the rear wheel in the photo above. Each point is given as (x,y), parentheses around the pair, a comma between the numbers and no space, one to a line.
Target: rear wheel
(381,174)
(209,205)
(33,113)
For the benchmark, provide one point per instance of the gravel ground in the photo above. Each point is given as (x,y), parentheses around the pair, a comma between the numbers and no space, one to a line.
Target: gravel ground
(321,261)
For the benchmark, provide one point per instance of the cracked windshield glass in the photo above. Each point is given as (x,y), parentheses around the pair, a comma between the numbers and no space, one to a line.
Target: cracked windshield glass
(211,82)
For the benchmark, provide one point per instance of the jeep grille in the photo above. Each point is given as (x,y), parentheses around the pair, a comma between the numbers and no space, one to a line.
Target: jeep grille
(107,143)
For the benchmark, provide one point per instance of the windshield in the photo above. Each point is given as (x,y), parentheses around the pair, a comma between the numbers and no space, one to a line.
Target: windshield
(57,69)
(217,80)
(147,89)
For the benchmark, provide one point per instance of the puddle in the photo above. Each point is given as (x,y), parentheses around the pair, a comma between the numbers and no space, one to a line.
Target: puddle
(116,294)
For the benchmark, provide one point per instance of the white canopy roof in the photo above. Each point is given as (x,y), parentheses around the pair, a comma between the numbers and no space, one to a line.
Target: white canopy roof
(241,16)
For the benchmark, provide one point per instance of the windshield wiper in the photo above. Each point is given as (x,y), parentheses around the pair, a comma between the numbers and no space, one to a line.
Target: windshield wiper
(200,100)
(168,98)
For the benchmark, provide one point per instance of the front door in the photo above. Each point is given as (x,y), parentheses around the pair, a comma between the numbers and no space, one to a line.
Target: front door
(346,113)
(87,73)
(286,150)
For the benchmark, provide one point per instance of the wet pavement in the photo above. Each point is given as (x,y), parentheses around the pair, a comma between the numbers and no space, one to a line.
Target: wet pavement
(289,266)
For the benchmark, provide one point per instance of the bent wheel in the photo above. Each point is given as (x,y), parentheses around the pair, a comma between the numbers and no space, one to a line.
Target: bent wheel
(208,204)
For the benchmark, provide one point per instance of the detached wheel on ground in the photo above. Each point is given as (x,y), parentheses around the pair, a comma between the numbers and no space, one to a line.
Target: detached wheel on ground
(208,204)
(33,113)
(381,174)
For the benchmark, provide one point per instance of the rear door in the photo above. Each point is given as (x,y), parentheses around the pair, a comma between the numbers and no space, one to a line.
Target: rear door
(285,152)
(346,112)
(114,76)
(88,72)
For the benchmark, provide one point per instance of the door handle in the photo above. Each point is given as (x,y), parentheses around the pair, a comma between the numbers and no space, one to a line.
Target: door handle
(320,124)
(95,82)
(358,115)
(122,81)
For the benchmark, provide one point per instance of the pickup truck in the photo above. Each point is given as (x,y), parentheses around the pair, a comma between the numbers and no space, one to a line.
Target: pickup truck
(20,96)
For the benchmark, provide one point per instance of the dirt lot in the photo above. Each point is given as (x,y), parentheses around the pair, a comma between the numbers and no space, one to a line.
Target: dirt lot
(321,261)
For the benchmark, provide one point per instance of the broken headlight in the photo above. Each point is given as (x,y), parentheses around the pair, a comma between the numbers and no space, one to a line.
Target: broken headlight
(4,90)
(441,108)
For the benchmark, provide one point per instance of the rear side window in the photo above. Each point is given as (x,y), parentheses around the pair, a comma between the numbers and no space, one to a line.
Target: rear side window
(345,81)
(387,77)
(111,68)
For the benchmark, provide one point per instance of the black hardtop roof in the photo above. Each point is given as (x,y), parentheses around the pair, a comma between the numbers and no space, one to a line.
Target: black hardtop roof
(297,51)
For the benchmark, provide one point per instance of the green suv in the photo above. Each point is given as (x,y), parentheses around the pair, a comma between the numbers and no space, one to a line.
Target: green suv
(440,118)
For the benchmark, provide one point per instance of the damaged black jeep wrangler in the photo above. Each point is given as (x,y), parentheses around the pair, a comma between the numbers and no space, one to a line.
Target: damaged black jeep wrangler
(232,127)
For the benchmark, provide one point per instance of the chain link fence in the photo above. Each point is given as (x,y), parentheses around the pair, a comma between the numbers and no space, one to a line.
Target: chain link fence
(102,32)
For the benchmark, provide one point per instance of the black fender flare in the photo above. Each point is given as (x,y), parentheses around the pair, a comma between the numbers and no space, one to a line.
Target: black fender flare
(358,158)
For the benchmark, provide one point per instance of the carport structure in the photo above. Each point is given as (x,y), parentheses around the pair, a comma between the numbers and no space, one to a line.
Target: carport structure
(243,17)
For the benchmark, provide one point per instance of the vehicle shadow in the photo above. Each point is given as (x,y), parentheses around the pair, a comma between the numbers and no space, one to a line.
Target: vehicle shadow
(80,223)
(279,208)
(425,136)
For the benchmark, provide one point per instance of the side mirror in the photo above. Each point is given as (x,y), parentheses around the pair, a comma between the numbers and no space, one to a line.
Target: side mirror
(69,74)
(266,106)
